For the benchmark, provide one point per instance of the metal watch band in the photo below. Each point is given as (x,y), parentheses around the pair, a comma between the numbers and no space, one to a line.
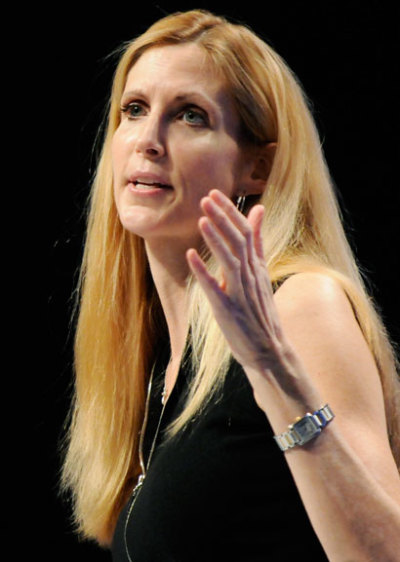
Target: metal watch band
(304,429)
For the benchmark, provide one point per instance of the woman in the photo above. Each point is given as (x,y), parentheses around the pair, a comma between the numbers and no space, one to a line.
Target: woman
(220,302)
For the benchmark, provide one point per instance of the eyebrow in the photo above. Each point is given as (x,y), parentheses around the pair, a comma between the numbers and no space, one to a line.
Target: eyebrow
(178,98)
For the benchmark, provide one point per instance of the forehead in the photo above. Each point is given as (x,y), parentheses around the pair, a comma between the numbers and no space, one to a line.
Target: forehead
(175,67)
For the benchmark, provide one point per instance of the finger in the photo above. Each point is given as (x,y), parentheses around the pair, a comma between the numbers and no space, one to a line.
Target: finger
(256,285)
(230,319)
(230,263)
(250,227)
(243,235)
(259,279)
(208,283)
(238,219)
(264,286)
(255,218)
(245,285)
(238,239)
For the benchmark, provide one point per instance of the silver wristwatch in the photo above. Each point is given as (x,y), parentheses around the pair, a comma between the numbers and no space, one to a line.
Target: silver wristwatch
(304,429)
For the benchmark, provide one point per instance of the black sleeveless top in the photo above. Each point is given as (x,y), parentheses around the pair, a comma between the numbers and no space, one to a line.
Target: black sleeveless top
(220,490)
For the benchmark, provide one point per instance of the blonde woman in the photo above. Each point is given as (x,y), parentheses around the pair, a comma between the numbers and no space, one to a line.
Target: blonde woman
(236,394)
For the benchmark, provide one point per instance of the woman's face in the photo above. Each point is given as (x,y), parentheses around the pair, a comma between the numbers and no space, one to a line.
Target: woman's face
(178,138)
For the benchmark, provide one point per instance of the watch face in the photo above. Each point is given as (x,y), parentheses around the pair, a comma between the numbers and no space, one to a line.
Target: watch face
(306,429)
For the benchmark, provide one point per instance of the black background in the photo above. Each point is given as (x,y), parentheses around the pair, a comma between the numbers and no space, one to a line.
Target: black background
(346,56)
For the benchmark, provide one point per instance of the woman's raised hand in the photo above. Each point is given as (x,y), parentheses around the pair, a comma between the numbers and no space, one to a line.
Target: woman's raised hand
(242,302)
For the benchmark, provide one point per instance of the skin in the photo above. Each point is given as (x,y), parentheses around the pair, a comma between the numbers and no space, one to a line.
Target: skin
(300,347)
(178,125)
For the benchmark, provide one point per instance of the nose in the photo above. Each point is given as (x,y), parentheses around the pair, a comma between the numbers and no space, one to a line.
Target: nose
(150,142)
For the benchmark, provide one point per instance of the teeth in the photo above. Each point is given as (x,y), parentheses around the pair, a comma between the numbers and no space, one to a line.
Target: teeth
(148,184)
(145,185)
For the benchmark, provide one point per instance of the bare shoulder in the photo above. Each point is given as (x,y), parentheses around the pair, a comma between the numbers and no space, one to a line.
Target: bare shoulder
(316,313)
(313,292)
(315,306)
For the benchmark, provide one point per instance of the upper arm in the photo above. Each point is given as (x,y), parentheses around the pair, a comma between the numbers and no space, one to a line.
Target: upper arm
(318,320)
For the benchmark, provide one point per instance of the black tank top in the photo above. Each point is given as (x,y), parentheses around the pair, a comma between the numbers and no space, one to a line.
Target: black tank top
(220,490)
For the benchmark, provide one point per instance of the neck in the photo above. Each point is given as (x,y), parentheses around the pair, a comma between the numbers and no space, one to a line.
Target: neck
(170,270)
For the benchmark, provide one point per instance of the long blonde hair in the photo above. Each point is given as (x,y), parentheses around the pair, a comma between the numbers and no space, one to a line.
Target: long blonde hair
(121,322)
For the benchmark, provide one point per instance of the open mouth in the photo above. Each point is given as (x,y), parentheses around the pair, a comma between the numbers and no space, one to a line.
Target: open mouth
(150,185)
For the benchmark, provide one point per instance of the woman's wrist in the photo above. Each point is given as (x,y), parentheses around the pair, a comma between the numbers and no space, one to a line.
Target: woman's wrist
(284,390)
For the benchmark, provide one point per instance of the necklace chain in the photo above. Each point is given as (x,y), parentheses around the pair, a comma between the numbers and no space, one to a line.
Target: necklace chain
(144,468)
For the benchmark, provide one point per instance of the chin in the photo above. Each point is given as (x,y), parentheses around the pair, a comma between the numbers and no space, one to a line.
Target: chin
(132,220)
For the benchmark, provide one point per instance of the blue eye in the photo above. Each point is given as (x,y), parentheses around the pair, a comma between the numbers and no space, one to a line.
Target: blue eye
(133,110)
(194,117)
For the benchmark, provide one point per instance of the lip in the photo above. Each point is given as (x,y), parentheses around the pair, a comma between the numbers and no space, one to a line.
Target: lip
(147,178)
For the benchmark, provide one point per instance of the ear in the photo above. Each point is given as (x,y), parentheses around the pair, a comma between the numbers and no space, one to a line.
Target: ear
(264,161)
(260,163)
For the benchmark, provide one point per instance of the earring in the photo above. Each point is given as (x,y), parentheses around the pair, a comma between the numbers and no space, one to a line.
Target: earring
(240,202)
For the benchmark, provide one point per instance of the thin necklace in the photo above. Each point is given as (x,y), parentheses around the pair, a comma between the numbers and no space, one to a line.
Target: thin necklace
(144,468)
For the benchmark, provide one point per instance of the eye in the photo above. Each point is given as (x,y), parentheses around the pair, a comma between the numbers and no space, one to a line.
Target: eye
(133,110)
(194,116)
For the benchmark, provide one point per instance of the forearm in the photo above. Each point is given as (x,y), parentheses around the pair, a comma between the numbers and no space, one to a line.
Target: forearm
(354,516)
(355,512)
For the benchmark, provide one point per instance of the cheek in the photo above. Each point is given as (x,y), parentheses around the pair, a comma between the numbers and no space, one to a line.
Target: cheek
(121,148)
(215,168)
(215,157)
